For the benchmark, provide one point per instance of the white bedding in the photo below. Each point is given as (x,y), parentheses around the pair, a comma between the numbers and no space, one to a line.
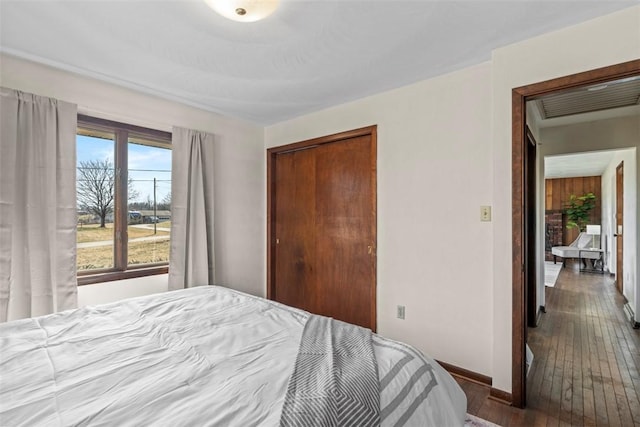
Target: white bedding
(202,356)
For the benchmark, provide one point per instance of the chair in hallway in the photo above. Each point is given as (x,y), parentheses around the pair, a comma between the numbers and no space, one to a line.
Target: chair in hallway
(580,248)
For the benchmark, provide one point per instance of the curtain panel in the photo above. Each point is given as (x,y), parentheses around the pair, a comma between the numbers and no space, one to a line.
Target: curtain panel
(37,205)
(191,258)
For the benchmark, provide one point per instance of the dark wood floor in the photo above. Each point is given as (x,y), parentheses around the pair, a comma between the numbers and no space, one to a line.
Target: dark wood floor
(586,370)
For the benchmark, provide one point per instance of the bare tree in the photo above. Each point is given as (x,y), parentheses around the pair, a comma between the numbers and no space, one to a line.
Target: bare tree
(165,203)
(132,193)
(95,188)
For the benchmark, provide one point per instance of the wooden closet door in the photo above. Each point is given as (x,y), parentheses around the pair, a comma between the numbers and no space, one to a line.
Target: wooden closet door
(322,229)
(296,229)
(344,242)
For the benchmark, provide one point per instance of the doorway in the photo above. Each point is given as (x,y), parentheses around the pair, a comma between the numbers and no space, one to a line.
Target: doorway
(321,202)
(522,260)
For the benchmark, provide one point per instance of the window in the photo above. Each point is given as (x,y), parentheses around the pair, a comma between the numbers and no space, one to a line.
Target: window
(123,186)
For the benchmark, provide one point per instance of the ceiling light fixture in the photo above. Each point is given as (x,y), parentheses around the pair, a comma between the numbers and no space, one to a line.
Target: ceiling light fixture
(243,10)
(597,87)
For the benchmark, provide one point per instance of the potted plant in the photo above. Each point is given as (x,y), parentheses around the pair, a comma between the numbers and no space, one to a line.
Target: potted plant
(578,210)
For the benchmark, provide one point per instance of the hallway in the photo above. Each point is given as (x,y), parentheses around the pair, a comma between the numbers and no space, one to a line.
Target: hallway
(587,356)
(586,370)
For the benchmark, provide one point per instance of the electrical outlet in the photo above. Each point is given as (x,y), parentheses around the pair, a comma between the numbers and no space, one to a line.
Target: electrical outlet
(485,213)
(400,312)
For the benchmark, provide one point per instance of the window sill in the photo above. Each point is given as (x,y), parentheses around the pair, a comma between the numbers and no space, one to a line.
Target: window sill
(88,278)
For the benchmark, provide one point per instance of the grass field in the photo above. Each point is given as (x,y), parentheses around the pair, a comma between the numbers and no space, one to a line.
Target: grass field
(144,252)
(93,232)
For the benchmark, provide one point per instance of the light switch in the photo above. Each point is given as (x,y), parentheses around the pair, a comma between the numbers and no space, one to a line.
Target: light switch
(485,213)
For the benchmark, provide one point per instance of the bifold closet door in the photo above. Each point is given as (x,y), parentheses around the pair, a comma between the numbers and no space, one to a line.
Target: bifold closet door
(325,229)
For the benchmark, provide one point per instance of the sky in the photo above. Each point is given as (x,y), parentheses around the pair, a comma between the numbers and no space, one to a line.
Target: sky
(145,163)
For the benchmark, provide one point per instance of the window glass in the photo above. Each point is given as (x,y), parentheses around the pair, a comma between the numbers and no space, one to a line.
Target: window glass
(149,205)
(123,190)
(95,199)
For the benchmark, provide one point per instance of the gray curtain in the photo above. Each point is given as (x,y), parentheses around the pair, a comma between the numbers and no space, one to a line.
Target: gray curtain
(37,205)
(191,259)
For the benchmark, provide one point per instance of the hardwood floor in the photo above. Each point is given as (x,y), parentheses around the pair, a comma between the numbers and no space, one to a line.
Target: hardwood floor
(586,370)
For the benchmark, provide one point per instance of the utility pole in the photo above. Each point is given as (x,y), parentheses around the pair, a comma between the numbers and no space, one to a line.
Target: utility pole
(155,210)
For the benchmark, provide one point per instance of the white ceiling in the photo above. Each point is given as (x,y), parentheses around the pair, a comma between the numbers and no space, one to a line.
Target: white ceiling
(575,165)
(307,56)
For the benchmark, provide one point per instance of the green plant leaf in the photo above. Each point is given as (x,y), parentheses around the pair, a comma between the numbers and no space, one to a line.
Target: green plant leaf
(578,210)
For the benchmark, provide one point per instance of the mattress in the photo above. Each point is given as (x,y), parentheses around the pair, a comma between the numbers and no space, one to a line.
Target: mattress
(206,356)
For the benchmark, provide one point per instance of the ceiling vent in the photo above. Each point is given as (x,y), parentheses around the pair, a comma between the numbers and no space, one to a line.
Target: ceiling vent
(604,96)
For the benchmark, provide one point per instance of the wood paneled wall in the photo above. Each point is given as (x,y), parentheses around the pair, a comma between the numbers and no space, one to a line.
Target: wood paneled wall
(558,191)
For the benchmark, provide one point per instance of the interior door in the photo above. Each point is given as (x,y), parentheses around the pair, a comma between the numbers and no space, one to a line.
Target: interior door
(323,227)
(619,225)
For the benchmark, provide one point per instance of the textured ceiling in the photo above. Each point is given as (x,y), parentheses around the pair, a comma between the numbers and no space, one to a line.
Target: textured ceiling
(307,56)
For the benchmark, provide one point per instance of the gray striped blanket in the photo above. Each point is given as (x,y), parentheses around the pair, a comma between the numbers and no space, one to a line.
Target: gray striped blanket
(335,379)
(405,385)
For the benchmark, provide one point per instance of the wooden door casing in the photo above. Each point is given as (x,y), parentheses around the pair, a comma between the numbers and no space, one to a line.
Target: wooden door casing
(322,226)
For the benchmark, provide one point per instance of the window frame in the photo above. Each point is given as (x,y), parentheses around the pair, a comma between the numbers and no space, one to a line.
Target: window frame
(123,133)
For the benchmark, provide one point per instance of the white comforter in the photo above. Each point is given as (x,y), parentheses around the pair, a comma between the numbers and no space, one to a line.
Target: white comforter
(202,356)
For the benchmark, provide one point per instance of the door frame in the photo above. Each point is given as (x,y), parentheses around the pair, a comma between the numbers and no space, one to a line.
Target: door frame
(370,131)
(519,97)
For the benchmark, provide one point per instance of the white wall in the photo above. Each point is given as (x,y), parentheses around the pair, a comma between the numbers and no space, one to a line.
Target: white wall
(620,133)
(239,175)
(608,221)
(631,213)
(102,293)
(434,173)
(604,41)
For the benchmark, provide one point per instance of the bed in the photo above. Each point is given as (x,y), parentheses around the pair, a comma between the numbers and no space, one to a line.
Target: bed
(207,356)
